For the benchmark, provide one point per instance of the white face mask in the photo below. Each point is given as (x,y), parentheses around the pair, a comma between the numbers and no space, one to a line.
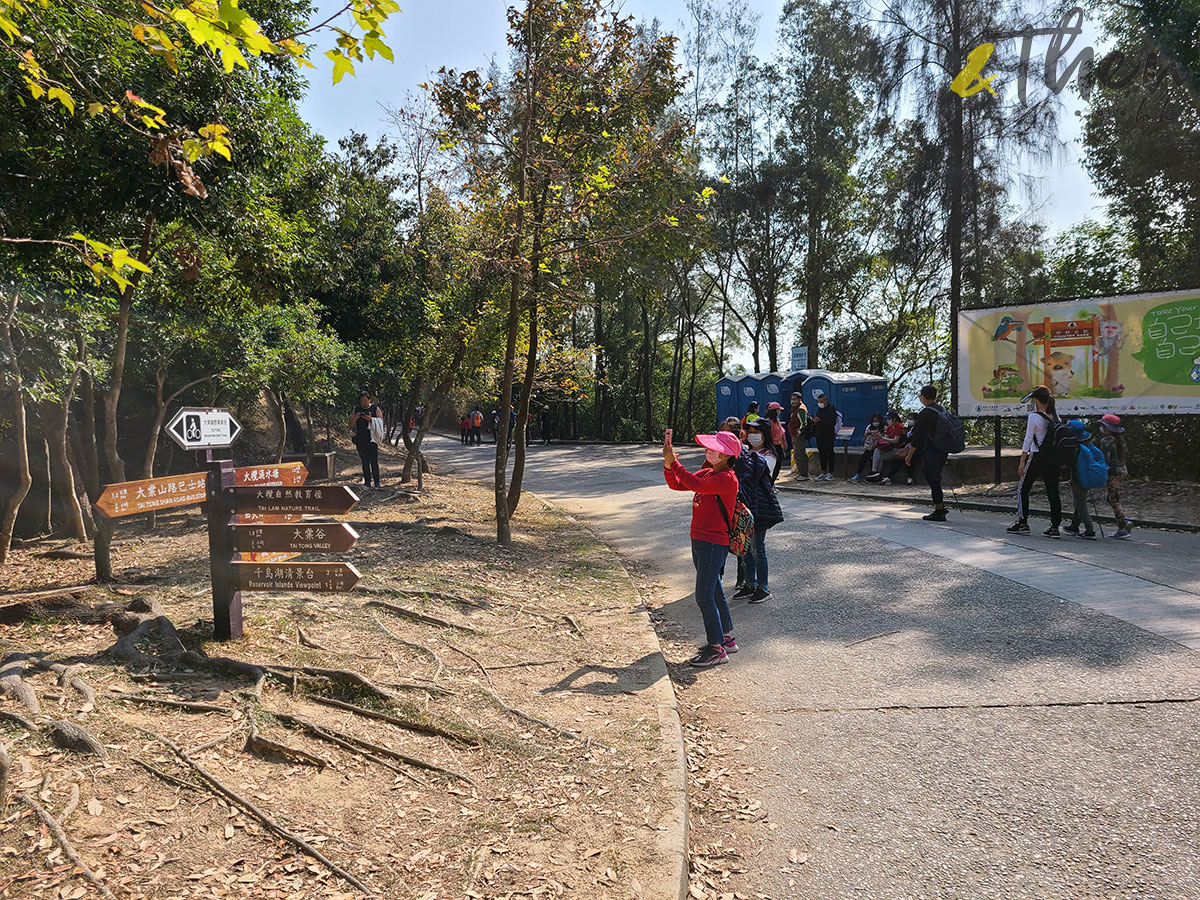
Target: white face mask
(822,403)
(712,457)
(755,439)
(912,423)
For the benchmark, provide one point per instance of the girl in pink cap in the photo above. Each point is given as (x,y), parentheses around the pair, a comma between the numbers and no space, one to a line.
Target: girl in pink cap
(1113,446)
(715,487)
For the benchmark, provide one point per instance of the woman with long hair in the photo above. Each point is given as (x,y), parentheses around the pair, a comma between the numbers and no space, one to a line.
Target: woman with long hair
(757,471)
(1037,462)
(715,489)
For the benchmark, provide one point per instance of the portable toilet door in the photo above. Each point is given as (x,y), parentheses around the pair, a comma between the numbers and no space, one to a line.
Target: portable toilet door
(815,380)
(728,397)
(793,383)
(768,390)
(859,397)
(747,393)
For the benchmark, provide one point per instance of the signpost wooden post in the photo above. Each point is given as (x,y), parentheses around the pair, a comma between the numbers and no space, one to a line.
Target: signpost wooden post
(256,525)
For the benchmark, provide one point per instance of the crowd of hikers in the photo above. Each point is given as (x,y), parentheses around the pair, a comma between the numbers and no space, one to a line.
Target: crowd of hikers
(735,502)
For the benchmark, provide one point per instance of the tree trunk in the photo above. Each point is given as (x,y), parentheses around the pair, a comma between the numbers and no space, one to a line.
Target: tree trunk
(89,458)
(20,435)
(81,494)
(53,414)
(691,378)
(518,473)
(1112,359)
(275,402)
(955,172)
(112,397)
(647,370)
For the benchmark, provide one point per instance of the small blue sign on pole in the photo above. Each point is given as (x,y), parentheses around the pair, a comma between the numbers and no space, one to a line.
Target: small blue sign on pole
(799,358)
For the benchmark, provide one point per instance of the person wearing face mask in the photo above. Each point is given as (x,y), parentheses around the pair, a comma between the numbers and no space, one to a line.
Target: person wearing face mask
(798,429)
(871,439)
(757,470)
(825,423)
(715,490)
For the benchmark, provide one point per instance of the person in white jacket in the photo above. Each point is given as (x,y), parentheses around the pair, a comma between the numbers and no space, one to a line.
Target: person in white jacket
(367,422)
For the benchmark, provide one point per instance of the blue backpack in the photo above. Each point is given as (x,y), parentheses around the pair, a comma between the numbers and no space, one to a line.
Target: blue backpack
(1091,471)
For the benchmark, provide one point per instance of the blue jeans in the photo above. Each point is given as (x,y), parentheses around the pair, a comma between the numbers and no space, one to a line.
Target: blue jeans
(756,560)
(709,560)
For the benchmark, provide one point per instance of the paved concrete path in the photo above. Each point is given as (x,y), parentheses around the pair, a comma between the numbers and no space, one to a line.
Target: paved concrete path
(932,711)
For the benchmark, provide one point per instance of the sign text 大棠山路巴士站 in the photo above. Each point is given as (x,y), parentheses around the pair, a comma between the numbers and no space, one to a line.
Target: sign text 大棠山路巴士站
(1109,73)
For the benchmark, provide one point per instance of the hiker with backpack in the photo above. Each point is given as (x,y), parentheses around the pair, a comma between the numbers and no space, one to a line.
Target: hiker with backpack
(937,434)
(1049,446)
(756,470)
(476,426)
(1112,445)
(1091,471)
(717,519)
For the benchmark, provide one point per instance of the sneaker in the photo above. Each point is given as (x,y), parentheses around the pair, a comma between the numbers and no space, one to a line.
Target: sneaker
(744,591)
(938,515)
(730,644)
(828,476)
(709,656)
(377,485)
(802,478)
(910,481)
(1122,534)
(857,478)
(1085,534)
(1018,528)
(1127,525)
(874,477)
(1052,532)
(1074,529)
(760,595)
(886,481)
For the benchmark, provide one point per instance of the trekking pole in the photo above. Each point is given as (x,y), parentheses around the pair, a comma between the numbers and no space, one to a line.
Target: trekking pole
(1096,509)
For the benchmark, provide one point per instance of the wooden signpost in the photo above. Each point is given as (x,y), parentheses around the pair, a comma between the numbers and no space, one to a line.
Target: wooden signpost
(256,525)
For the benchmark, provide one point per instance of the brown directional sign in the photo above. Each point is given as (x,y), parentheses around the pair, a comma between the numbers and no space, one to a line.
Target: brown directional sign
(298,538)
(128,498)
(294,576)
(332,500)
(279,474)
(264,519)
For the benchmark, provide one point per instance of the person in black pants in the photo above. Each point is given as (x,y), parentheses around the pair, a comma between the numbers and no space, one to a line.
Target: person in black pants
(825,433)
(933,460)
(1038,463)
(368,450)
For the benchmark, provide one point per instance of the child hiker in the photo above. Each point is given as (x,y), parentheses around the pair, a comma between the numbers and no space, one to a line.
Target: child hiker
(1079,493)
(1113,446)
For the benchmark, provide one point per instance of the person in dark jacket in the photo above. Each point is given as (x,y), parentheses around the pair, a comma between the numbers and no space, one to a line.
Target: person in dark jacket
(825,433)
(933,460)
(757,469)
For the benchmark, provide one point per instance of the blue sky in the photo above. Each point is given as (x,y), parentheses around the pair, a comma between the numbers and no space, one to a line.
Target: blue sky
(465,34)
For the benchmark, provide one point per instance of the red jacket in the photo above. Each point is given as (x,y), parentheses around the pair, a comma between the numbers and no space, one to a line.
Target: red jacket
(708,522)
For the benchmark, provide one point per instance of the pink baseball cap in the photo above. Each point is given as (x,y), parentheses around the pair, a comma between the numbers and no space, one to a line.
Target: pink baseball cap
(774,405)
(723,442)
(1112,423)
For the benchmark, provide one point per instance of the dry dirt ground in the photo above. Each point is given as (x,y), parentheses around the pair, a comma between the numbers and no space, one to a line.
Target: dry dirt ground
(513,762)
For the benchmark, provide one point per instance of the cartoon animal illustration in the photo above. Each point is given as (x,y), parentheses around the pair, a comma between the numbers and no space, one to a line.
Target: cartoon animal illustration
(1058,368)
(1007,328)
(1000,373)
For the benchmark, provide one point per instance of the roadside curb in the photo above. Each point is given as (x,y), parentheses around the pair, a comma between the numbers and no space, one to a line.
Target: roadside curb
(673,841)
(975,506)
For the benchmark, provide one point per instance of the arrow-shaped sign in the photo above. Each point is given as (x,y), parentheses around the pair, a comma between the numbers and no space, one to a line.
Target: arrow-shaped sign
(333,500)
(290,474)
(300,538)
(194,428)
(294,576)
(128,498)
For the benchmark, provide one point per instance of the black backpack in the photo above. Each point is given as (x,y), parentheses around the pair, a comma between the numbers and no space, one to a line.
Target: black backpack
(949,436)
(1060,444)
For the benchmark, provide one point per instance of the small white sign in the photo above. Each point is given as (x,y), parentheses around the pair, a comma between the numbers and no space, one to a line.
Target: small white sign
(844,434)
(203,429)
(799,358)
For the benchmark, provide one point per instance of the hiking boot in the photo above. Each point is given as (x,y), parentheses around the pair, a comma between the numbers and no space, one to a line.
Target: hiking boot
(1018,528)
(938,515)
(709,656)
(744,591)
(760,595)
(1052,532)
(730,644)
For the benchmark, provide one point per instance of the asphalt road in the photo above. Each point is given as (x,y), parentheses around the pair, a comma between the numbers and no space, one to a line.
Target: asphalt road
(1047,750)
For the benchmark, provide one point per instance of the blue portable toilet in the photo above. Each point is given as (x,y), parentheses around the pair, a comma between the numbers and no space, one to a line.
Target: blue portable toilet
(793,381)
(768,390)
(729,397)
(857,396)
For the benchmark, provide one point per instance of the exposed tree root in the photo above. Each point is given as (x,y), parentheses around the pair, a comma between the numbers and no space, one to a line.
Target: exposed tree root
(5,765)
(322,731)
(306,641)
(169,779)
(352,679)
(534,720)
(208,745)
(12,667)
(17,719)
(468,736)
(71,804)
(482,667)
(318,732)
(70,736)
(405,613)
(125,647)
(262,746)
(574,625)
(68,850)
(226,666)
(68,677)
(413,644)
(219,786)
(189,705)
